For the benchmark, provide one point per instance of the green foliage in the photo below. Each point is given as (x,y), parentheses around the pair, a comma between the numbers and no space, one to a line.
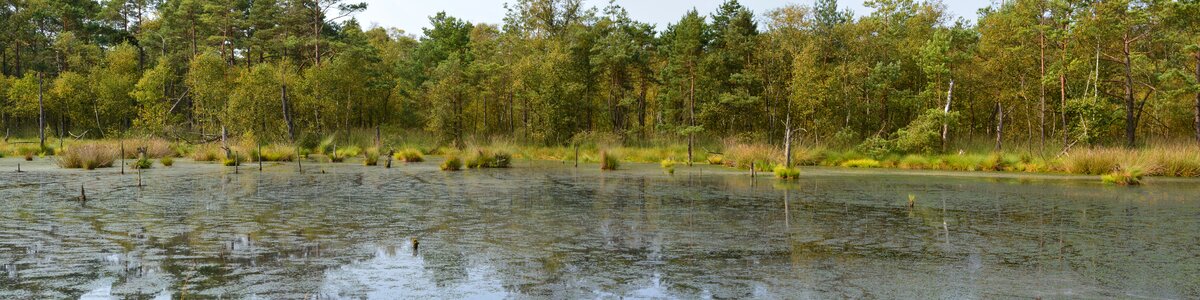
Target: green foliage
(483,158)
(608,161)
(875,147)
(923,135)
(1124,177)
(783,172)
(452,163)
(861,163)
(668,165)
(409,156)
(371,157)
(143,163)
(167,161)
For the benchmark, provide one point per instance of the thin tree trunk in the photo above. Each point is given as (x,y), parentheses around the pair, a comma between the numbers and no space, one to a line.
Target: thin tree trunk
(1042,87)
(999,125)
(1130,119)
(787,141)
(692,117)
(1197,98)
(946,126)
(41,114)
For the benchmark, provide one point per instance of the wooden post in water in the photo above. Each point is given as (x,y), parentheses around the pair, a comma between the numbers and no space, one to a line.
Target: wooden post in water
(18,167)
(121,141)
(236,162)
(299,165)
(752,174)
(82,193)
(391,152)
(260,157)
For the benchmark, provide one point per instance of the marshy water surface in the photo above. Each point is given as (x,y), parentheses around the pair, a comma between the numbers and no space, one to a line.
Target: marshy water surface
(547,230)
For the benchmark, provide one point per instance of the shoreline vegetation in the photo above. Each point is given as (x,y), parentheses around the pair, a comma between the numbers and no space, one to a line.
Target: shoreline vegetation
(1115,165)
(1101,88)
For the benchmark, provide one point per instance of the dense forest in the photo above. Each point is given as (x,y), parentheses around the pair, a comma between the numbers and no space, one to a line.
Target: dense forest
(1042,74)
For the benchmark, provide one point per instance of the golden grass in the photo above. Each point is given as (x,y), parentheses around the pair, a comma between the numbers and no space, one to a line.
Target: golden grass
(87,156)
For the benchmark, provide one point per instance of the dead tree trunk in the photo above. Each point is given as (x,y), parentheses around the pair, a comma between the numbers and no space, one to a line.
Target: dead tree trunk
(1130,119)
(945,124)
(41,114)
(1197,112)
(787,141)
(999,125)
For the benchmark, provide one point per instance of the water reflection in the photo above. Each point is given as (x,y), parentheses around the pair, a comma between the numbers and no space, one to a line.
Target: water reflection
(547,230)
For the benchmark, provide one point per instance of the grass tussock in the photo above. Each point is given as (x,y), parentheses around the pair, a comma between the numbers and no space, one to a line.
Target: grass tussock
(409,155)
(609,161)
(274,152)
(371,157)
(452,163)
(207,152)
(485,158)
(861,163)
(142,163)
(668,165)
(783,172)
(743,155)
(1123,177)
(167,161)
(87,156)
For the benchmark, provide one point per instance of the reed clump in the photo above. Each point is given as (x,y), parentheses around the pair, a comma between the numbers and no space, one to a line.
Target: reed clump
(609,161)
(485,158)
(668,165)
(87,156)
(784,172)
(1123,177)
(861,163)
(274,152)
(743,155)
(371,157)
(452,163)
(409,155)
(207,152)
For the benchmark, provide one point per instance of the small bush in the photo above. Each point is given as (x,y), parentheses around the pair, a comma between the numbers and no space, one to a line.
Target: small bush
(1124,177)
(861,163)
(167,161)
(88,157)
(783,172)
(668,165)
(409,155)
(452,163)
(142,163)
(608,161)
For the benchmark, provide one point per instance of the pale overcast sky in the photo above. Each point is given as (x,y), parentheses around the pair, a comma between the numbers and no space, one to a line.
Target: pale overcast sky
(412,15)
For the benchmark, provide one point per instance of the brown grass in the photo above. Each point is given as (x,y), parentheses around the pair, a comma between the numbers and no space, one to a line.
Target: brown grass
(88,156)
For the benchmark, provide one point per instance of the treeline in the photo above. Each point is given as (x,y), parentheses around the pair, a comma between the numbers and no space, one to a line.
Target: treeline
(908,76)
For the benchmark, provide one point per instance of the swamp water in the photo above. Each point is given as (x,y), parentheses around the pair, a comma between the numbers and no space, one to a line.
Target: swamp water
(547,230)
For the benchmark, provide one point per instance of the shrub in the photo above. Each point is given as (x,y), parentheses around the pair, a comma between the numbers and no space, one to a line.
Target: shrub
(409,155)
(608,161)
(923,135)
(167,161)
(1124,177)
(88,157)
(668,165)
(143,163)
(452,163)
(875,147)
(861,163)
(783,172)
